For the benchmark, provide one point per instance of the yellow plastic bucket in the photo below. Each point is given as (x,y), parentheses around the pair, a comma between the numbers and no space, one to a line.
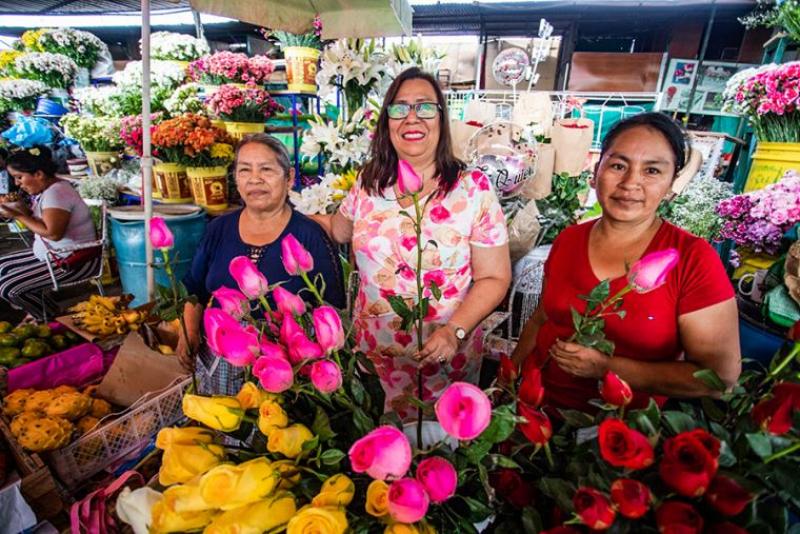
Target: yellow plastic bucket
(209,187)
(301,68)
(237,130)
(752,262)
(172,183)
(102,162)
(770,162)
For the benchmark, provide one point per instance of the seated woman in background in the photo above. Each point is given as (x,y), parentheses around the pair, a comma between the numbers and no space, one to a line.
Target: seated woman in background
(689,323)
(263,176)
(59,219)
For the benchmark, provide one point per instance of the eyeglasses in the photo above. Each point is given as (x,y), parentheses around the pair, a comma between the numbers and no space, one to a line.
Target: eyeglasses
(424,110)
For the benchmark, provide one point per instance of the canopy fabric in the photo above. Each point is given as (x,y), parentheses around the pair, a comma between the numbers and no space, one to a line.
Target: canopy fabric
(340,18)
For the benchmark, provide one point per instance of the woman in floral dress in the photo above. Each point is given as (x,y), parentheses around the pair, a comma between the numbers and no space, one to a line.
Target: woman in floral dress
(469,262)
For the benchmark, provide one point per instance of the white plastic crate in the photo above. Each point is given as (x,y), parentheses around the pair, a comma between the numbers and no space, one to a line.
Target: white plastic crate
(100,448)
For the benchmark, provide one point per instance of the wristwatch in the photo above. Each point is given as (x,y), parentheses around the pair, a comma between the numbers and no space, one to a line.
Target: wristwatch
(460,333)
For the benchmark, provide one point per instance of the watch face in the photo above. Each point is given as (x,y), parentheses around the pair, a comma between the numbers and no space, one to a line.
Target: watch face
(461,333)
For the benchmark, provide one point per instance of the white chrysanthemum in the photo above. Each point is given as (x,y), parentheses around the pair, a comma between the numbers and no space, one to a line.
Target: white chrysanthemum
(162,74)
(98,101)
(56,70)
(185,99)
(18,89)
(177,46)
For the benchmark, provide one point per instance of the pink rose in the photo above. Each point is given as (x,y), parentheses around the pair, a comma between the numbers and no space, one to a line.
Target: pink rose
(383,453)
(296,259)
(160,235)
(214,321)
(274,374)
(438,477)
(289,328)
(239,346)
(651,271)
(232,301)
(301,348)
(326,376)
(272,350)
(287,302)
(407,500)
(328,328)
(408,181)
(253,284)
(463,410)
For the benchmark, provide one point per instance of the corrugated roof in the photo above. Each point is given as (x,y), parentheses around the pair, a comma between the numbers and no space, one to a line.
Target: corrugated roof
(84,7)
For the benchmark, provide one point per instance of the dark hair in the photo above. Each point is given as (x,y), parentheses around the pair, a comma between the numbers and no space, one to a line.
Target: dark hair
(671,130)
(271,143)
(32,160)
(380,171)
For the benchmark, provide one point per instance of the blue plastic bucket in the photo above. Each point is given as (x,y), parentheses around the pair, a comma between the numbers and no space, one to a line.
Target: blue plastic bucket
(45,106)
(128,237)
(758,343)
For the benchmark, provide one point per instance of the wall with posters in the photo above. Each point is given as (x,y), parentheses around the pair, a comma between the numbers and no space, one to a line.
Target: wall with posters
(678,80)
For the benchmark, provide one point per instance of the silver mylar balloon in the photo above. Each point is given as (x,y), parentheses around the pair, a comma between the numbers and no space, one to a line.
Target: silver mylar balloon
(504,155)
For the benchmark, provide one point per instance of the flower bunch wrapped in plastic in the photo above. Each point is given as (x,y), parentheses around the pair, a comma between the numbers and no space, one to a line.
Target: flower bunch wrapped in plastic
(98,101)
(185,99)
(230,67)
(20,95)
(193,141)
(131,131)
(95,134)
(231,103)
(177,46)
(165,77)
(694,210)
(54,70)
(82,47)
(758,220)
(343,144)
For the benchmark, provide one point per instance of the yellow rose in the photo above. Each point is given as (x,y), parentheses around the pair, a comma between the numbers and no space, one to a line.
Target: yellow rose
(289,441)
(231,486)
(165,520)
(251,396)
(184,498)
(256,518)
(377,498)
(181,463)
(290,473)
(401,528)
(311,520)
(338,490)
(190,435)
(271,416)
(217,412)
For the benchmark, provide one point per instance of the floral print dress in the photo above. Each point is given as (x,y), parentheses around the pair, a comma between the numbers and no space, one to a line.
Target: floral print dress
(385,248)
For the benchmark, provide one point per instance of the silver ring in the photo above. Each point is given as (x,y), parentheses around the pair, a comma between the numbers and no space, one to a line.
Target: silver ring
(442,359)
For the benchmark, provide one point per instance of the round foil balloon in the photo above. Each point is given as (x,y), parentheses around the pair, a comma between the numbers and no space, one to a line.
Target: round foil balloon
(504,155)
(510,65)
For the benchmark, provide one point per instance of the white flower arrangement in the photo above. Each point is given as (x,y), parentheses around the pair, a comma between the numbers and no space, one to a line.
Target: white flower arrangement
(694,210)
(165,77)
(177,46)
(98,187)
(351,60)
(413,54)
(95,134)
(82,47)
(344,145)
(98,101)
(20,95)
(324,197)
(185,99)
(734,86)
(54,70)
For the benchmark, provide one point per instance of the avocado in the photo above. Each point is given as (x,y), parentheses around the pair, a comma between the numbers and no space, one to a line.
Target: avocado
(8,355)
(5,327)
(24,331)
(59,342)
(8,340)
(43,331)
(34,350)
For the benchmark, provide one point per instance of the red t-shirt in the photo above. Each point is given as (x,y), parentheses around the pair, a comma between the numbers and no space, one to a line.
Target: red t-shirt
(649,331)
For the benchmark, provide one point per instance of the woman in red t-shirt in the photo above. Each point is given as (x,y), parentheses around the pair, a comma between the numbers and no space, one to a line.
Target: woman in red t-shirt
(689,323)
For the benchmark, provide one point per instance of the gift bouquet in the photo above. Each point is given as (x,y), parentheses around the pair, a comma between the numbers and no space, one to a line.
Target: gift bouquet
(20,95)
(82,47)
(177,46)
(192,140)
(95,134)
(758,220)
(165,77)
(230,103)
(229,67)
(54,70)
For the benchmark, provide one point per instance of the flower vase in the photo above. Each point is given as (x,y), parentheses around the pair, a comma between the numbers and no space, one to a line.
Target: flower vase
(770,163)
(101,163)
(209,187)
(237,130)
(172,183)
(301,68)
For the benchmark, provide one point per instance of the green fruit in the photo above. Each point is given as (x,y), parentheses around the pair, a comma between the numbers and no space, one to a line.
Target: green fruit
(8,355)
(24,331)
(5,327)
(43,331)
(33,350)
(8,340)
(59,342)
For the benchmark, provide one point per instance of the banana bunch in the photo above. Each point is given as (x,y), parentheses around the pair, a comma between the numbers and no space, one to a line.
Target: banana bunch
(106,316)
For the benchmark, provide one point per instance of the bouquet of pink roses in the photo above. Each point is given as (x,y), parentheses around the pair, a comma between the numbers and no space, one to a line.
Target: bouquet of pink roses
(231,103)
(230,67)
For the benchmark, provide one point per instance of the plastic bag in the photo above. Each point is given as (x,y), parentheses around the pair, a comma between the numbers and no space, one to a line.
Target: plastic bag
(29,131)
(523,231)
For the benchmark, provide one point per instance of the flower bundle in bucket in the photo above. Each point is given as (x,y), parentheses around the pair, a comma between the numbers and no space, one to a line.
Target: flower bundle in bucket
(301,52)
(57,71)
(179,47)
(82,47)
(99,137)
(229,67)
(20,95)
(244,111)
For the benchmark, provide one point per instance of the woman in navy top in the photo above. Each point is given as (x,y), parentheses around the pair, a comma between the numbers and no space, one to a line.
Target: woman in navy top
(263,178)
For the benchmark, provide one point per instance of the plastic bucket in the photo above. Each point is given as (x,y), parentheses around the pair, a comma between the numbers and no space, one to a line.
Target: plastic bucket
(128,238)
(102,162)
(45,106)
(301,68)
(209,186)
(172,183)
(237,130)
(770,163)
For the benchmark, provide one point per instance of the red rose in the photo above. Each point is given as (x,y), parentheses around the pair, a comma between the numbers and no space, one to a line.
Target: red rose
(690,462)
(675,517)
(726,527)
(621,446)
(508,371)
(538,429)
(775,415)
(510,486)
(531,391)
(727,496)
(631,497)
(593,508)
(615,391)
